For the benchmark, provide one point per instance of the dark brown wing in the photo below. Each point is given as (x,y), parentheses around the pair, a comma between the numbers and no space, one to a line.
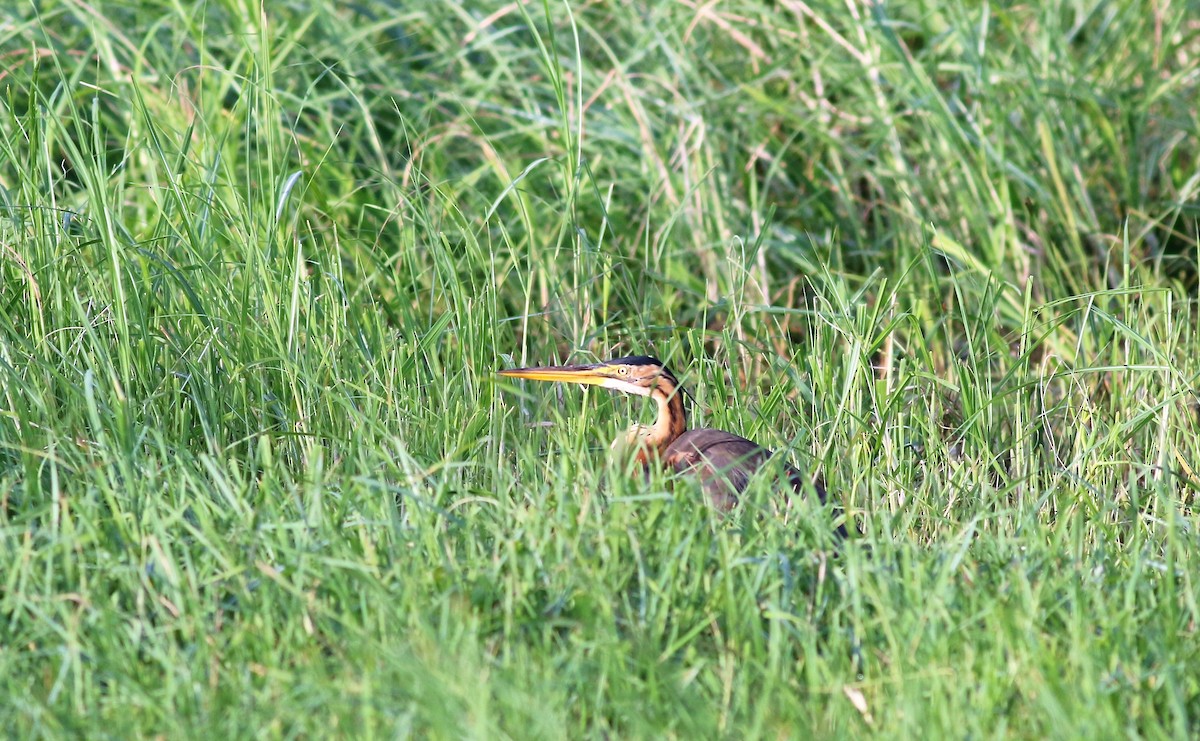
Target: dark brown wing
(724,463)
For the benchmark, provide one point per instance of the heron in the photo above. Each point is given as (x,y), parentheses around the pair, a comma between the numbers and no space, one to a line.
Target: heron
(723,462)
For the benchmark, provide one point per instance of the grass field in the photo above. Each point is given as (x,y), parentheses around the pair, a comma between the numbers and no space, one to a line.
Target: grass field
(258,267)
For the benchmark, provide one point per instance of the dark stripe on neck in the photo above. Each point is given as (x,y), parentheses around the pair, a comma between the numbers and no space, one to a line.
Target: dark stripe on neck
(668,391)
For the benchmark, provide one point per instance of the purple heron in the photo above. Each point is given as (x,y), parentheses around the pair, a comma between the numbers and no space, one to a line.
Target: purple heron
(722,461)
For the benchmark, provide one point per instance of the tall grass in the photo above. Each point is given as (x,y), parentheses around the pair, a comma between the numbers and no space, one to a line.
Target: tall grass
(258,265)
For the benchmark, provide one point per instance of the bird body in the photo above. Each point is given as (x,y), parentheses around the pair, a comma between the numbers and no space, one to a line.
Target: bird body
(722,461)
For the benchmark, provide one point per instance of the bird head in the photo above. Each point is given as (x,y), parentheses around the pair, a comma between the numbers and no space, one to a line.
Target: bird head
(639,375)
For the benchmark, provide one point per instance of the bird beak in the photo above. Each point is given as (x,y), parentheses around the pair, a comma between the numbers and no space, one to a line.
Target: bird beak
(581,374)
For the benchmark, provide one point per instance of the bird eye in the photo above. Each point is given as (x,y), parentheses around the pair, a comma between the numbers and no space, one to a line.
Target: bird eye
(623,371)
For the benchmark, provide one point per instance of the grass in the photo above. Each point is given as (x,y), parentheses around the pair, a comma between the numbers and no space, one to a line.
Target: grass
(257,476)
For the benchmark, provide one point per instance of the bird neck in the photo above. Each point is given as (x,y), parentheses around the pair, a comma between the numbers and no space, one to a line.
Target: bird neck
(671,421)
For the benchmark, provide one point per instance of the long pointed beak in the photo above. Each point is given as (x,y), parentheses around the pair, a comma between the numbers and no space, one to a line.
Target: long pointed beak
(581,374)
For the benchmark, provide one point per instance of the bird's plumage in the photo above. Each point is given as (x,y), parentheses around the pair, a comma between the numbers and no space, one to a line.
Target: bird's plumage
(723,463)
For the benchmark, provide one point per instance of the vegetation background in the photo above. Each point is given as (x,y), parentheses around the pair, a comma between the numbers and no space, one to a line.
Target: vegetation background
(259,263)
